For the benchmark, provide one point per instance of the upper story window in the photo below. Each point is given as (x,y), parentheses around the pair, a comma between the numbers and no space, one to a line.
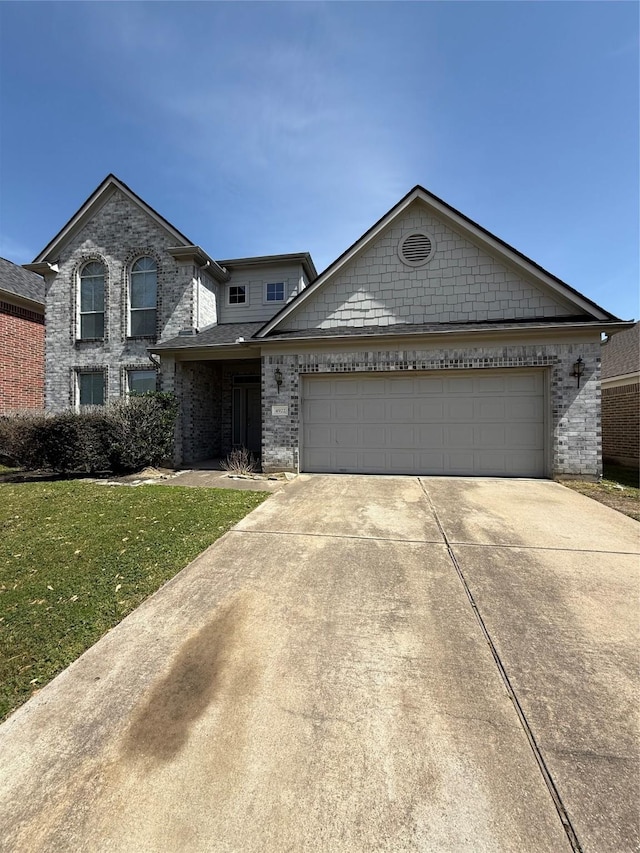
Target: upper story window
(237,294)
(274,291)
(92,301)
(143,298)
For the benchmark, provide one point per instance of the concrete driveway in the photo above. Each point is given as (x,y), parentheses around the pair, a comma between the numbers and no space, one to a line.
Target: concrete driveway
(362,664)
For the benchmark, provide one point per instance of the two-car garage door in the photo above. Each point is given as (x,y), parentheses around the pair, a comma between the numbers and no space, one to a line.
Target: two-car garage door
(463,422)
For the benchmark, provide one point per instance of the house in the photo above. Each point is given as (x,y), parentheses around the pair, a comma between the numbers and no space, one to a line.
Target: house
(621,398)
(21,339)
(428,346)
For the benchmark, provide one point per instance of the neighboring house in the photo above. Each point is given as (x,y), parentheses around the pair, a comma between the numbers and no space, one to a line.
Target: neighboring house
(21,339)
(621,398)
(430,346)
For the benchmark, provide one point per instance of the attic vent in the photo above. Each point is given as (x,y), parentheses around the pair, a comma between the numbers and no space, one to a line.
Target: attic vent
(415,249)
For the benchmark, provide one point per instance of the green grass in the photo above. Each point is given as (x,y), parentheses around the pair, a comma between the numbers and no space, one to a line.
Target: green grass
(7,469)
(76,557)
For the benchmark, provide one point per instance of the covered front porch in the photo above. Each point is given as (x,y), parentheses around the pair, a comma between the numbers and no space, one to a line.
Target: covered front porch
(219,406)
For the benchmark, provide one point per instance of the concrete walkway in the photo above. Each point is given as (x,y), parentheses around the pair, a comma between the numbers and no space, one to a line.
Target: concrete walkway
(318,680)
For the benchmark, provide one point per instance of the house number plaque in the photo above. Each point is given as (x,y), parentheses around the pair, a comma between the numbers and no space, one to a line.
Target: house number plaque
(279,411)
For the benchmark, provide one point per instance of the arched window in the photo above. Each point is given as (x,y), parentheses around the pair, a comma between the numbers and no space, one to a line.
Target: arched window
(92,301)
(143,296)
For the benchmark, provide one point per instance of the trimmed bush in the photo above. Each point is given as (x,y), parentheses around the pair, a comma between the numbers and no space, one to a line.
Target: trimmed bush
(121,437)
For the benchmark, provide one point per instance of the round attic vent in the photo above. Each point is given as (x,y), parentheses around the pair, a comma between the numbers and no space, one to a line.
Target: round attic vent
(416,248)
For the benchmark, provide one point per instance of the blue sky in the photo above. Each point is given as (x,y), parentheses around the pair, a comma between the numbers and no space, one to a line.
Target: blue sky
(259,128)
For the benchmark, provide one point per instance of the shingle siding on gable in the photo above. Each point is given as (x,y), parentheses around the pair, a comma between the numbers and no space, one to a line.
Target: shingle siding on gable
(118,233)
(461,283)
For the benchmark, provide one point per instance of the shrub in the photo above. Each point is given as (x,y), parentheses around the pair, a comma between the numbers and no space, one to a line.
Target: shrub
(143,430)
(239,461)
(123,436)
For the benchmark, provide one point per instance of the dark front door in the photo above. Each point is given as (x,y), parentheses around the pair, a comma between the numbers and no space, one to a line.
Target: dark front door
(247,417)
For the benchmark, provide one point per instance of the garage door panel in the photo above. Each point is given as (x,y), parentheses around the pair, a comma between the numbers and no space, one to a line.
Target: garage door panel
(459,385)
(373,410)
(345,411)
(402,435)
(318,411)
(527,383)
(485,423)
(490,385)
(317,435)
(373,435)
(521,409)
(527,435)
(490,409)
(431,435)
(429,411)
(490,436)
(399,386)
(346,436)
(460,435)
(345,388)
(428,386)
(400,410)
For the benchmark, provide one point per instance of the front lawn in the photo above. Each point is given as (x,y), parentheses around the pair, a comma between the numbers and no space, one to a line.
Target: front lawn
(76,557)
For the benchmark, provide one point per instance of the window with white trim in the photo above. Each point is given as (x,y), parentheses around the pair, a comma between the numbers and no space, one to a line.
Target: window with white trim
(141,381)
(92,301)
(237,294)
(143,298)
(91,388)
(274,291)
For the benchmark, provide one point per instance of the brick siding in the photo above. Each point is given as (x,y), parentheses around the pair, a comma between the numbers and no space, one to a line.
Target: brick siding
(21,359)
(621,424)
(573,431)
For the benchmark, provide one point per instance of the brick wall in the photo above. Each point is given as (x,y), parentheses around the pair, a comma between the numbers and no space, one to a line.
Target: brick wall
(573,430)
(21,359)
(621,424)
(117,234)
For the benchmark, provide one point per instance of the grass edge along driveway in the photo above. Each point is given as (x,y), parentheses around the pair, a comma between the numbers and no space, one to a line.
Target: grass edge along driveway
(76,558)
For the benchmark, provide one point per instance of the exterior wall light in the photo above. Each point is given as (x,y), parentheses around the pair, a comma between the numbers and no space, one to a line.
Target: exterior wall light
(578,369)
(278,377)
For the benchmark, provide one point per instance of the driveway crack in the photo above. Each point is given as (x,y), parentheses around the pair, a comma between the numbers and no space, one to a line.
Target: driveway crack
(546,775)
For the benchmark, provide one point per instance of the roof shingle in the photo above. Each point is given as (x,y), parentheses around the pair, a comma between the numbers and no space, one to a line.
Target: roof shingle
(20,282)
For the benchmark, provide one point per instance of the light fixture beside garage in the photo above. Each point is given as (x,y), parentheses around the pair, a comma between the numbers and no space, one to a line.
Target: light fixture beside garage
(277,375)
(578,369)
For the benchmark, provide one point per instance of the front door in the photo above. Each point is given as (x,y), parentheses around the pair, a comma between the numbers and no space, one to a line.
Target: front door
(247,417)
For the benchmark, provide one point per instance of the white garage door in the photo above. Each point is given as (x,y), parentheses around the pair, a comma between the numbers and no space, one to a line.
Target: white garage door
(464,422)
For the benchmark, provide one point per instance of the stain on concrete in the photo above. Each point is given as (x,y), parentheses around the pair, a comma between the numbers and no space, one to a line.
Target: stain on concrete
(211,668)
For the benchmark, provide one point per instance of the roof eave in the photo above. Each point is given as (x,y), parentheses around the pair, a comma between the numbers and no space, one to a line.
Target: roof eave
(34,305)
(594,325)
(303,258)
(201,258)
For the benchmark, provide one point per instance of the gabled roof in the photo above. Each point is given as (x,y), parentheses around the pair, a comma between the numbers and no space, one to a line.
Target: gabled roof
(621,353)
(461,223)
(20,282)
(95,201)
